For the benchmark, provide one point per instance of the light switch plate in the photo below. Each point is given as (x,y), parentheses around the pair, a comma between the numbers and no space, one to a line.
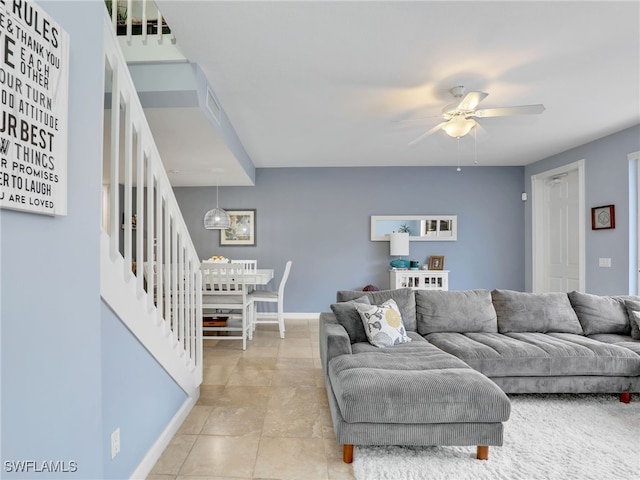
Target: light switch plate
(604,262)
(115,443)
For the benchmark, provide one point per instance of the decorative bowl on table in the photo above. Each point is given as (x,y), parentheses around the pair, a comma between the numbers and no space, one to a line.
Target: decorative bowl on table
(217,259)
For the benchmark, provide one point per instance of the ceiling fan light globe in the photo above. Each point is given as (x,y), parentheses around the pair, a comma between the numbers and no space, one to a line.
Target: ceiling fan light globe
(458,126)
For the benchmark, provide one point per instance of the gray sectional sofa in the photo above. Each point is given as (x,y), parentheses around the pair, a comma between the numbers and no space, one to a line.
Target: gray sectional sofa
(439,388)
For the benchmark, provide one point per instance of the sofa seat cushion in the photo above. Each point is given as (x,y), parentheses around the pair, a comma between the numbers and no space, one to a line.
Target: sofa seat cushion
(625,341)
(538,354)
(416,346)
(534,312)
(433,387)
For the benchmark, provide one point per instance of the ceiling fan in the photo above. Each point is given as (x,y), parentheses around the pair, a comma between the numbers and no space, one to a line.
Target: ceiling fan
(458,116)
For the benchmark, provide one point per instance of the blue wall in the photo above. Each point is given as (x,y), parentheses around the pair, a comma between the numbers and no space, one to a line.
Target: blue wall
(607,182)
(320,219)
(71,372)
(138,396)
(51,387)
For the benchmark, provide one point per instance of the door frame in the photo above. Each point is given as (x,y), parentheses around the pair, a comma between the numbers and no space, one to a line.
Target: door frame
(635,157)
(537,224)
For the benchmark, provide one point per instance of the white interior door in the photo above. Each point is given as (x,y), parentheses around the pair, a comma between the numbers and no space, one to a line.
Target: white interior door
(558,226)
(561,247)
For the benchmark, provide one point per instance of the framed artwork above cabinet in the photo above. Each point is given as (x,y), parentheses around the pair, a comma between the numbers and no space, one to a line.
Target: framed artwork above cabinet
(421,228)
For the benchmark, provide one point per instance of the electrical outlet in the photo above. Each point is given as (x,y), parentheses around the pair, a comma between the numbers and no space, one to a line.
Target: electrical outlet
(115,443)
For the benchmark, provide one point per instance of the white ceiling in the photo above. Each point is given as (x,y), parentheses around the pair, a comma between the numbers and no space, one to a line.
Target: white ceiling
(311,84)
(192,151)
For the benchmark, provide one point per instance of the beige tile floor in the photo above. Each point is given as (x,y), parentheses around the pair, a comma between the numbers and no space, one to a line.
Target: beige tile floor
(262,413)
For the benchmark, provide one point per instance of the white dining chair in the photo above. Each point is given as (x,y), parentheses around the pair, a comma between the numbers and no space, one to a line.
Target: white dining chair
(249,265)
(258,296)
(224,292)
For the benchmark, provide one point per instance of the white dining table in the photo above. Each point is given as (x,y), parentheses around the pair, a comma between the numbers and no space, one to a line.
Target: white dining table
(262,276)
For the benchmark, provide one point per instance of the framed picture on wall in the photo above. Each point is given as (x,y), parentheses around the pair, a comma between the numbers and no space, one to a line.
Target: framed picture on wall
(603,217)
(436,263)
(242,230)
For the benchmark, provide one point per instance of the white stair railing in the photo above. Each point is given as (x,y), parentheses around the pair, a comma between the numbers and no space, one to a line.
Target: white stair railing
(147,19)
(150,271)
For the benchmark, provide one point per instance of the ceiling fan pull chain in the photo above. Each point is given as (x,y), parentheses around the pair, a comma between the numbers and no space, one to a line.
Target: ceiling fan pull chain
(475,145)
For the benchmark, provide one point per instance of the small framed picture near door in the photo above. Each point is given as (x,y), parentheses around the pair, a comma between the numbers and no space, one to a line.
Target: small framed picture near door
(603,217)
(436,263)
(242,230)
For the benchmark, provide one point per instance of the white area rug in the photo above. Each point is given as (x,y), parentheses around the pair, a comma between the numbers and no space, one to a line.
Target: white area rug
(547,437)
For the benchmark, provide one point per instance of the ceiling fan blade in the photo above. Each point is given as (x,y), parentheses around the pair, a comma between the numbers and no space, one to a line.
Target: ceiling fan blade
(506,111)
(426,134)
(417,119)
(471,100)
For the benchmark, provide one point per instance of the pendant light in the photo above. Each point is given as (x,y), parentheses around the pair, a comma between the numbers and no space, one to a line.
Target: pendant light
(217,218)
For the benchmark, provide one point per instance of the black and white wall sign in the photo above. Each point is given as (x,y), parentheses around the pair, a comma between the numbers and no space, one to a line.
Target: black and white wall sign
(34,90)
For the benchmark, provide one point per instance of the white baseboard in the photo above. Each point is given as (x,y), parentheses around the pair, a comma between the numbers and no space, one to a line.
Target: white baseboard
(153,455)
(291,315)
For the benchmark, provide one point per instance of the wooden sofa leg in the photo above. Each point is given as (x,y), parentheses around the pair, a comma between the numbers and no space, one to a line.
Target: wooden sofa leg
(625,397)
(347,453)
(483,452)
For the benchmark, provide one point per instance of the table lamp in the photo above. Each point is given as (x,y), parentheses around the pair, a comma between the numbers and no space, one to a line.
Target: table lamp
(399,246)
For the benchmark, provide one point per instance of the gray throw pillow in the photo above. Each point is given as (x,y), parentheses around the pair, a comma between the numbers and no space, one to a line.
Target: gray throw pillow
(600,313)
(534,312)
(455,311)
(404,297)
(633,310)
(347,316)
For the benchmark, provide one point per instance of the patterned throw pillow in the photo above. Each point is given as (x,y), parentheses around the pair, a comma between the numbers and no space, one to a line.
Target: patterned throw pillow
(383,324)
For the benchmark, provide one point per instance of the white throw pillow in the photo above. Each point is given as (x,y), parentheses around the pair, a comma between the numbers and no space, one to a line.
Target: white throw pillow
(383,324)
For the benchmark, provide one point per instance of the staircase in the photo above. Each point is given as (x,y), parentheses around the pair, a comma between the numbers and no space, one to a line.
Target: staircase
(142,33)
(150,271)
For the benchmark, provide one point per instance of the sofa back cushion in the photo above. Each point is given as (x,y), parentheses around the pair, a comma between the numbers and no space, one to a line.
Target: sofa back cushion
(534,312)
(404,297)
(347,316)
(600,313)
(455,311)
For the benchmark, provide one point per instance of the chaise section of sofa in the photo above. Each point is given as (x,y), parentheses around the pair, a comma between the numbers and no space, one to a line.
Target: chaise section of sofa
(410,394)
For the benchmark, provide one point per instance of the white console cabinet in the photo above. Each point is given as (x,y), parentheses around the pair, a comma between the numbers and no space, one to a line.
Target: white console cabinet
(420,279)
